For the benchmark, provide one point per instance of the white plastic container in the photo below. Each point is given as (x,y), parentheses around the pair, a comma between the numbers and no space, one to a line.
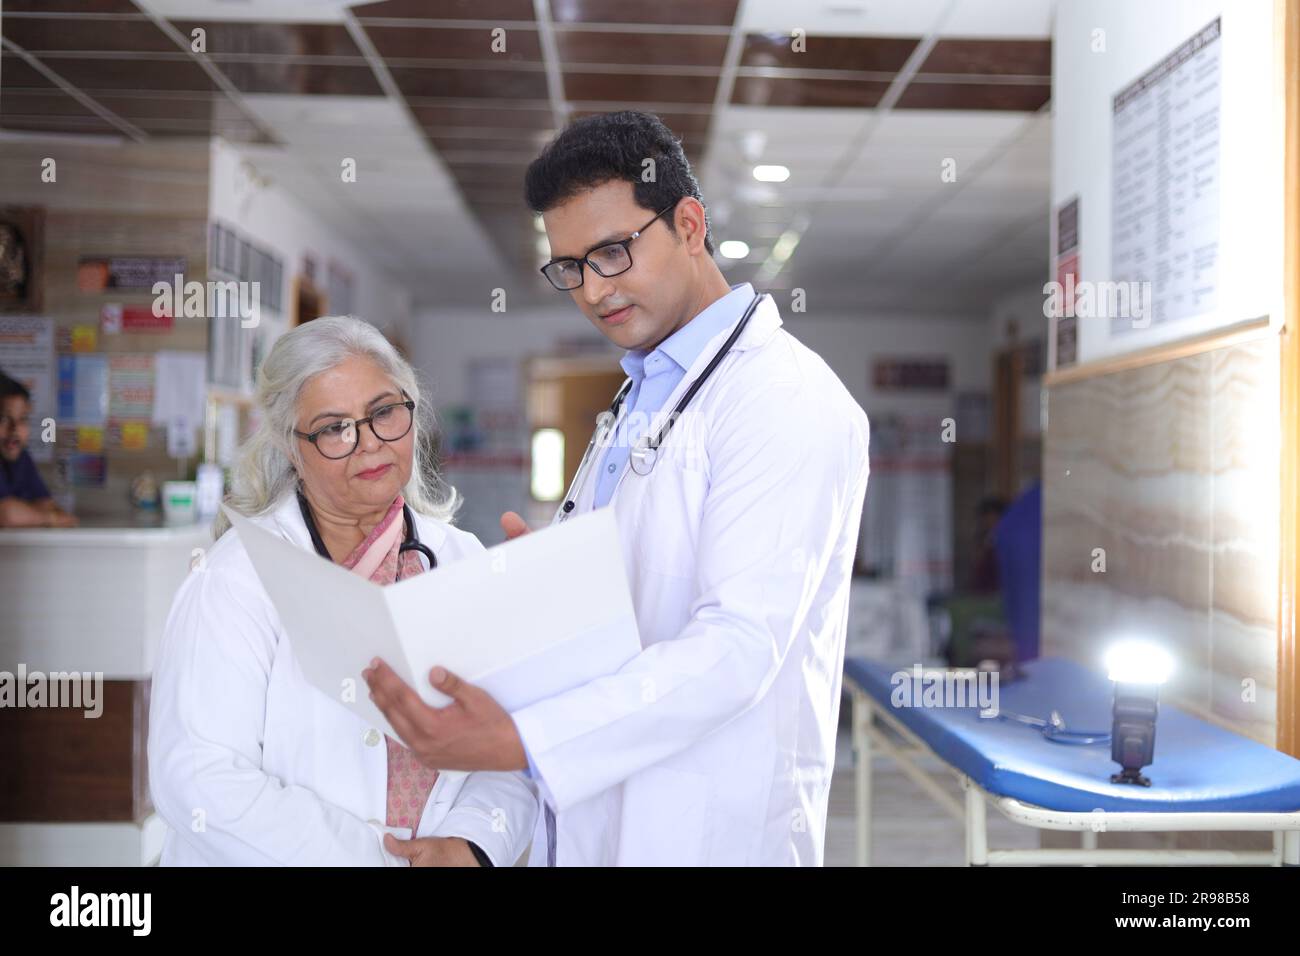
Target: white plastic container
(179,502)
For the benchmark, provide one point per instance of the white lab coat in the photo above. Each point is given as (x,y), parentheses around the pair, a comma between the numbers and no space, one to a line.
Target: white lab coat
(250,765)
(715,745)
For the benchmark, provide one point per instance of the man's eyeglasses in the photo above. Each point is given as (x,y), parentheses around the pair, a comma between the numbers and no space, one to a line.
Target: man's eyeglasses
(340,439)
(608,260)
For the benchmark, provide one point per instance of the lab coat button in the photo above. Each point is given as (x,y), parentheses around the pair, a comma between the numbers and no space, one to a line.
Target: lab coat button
(371,738)
(610,469)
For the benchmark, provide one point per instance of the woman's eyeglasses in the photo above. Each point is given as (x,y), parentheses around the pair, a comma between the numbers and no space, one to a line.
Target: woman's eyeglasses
(608,260)
(340,439)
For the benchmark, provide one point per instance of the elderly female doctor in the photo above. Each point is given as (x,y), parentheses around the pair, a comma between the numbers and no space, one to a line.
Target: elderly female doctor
(248,763)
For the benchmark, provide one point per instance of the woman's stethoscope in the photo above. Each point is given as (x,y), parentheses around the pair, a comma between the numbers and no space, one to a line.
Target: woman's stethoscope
(645,454)
(410,543)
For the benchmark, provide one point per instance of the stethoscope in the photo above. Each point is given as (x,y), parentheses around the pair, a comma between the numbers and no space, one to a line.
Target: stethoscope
(410,543)
(645,455)
(1053,729)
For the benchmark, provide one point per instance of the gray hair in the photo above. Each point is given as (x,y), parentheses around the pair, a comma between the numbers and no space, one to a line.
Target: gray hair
(266,468)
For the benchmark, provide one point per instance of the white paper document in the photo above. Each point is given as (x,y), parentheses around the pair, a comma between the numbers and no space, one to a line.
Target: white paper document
(180,388)
(525,620)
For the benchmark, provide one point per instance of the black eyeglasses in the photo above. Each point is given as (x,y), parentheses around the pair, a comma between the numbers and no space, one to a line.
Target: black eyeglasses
(340,439)
(608,260)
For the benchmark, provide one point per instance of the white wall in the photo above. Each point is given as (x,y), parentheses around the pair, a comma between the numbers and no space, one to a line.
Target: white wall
(443,342)
(269,216)
(1137,36)
(1024,307)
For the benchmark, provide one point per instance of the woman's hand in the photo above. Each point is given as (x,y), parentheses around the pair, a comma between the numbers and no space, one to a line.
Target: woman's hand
(431,851)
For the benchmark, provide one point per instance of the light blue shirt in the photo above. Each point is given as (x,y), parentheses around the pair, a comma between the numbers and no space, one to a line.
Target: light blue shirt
(654,376)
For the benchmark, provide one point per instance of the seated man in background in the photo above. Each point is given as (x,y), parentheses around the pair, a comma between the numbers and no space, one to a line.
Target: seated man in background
(25,502)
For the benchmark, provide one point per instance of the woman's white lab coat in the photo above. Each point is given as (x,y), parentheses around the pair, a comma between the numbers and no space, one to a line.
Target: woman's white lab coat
(716,744)
(250,765)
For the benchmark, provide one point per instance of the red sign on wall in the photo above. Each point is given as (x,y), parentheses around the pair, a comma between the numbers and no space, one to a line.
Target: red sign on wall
(114,318)
(141,318)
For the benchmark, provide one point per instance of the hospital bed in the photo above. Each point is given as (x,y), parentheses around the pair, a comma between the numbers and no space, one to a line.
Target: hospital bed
(1204,778)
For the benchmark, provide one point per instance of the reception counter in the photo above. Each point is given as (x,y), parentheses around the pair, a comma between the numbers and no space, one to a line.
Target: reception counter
(88,604)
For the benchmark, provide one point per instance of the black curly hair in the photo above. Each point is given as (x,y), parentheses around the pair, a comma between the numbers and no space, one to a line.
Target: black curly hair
(9,387)
(614,146)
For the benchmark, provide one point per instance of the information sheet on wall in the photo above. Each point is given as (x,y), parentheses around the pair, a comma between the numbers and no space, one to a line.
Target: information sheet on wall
(1165,176)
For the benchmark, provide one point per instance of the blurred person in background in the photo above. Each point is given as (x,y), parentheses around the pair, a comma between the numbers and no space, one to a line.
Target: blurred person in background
(25,502)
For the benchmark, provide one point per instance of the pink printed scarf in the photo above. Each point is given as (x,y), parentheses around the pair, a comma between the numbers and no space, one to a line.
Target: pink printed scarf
(379,559)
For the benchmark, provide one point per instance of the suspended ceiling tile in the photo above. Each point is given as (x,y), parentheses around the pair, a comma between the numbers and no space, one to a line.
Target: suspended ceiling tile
(70,6)
(18,74)
(273,39)
(492,10)
(306,79)
(688,125)
(38,35)
(991,57)
(844,94)
(452,43)
(215,11)
(498,114)
(129,74)
(88,124)
(718,13)
(869,54)
(469,84)
(623,88)
(659,49)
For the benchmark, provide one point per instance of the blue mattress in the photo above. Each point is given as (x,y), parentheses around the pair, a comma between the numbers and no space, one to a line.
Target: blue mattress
(1198,766)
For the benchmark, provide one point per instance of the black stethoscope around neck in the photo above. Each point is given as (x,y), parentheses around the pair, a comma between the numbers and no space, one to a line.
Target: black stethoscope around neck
(409,543)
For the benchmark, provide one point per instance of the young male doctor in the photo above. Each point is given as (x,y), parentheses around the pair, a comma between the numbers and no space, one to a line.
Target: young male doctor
(715,745)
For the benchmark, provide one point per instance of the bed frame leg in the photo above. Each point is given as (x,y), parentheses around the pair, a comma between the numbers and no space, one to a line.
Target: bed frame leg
(977,838)
(862,775)
(1087,841)
(1291,848)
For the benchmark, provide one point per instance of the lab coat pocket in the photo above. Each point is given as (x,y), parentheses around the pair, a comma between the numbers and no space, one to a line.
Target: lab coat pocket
(669,811)
(669,522)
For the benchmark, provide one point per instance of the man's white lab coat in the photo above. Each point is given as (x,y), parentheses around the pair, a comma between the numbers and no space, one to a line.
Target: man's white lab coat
(715,745)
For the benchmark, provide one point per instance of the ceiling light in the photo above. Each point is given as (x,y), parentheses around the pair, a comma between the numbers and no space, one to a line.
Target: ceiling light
(734,249)
(771,174)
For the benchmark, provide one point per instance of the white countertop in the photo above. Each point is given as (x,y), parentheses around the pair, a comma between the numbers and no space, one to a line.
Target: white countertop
(105,533)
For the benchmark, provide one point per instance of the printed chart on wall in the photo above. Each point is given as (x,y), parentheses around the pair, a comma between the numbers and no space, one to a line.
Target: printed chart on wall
(1065,321)
(1165,181)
